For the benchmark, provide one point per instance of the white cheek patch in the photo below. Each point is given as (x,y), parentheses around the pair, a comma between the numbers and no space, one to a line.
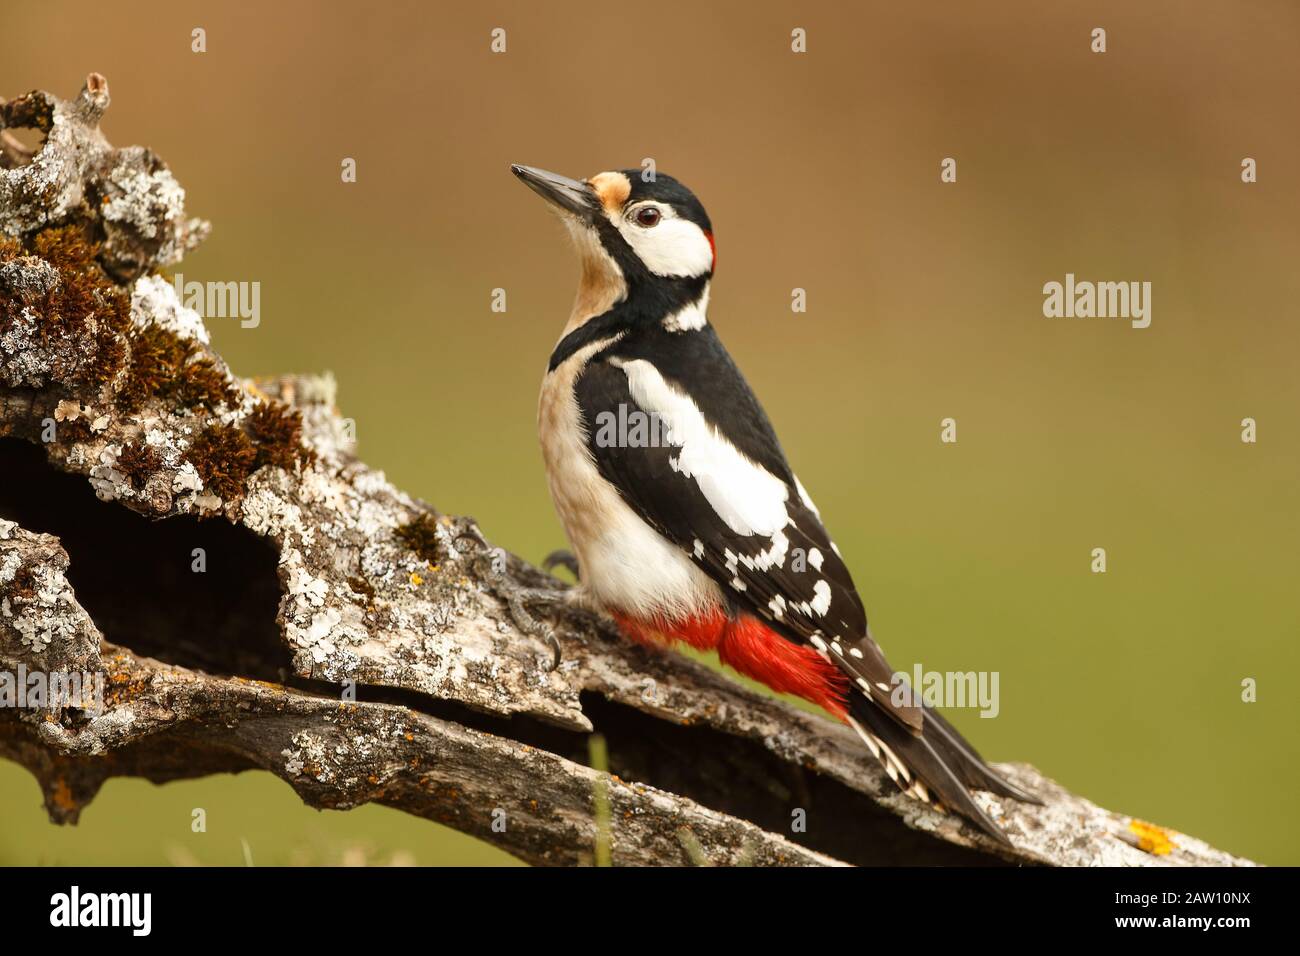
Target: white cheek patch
(675,247)
(748,498)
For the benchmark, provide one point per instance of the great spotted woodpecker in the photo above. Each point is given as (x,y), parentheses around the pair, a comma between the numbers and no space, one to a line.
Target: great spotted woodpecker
(682,512)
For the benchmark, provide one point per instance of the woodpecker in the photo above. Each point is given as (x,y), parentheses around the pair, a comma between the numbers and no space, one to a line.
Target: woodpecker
(682,512)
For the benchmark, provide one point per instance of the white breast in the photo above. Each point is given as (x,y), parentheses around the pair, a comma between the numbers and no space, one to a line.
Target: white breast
(626,565)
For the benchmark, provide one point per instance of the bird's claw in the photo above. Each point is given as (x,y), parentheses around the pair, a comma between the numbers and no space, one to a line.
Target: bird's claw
(472,533)
(561,559)
(518,599)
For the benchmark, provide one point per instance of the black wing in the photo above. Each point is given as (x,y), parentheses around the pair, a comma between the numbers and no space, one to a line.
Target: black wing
(794,580)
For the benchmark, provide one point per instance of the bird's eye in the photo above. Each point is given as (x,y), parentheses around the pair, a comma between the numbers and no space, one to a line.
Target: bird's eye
(649,216)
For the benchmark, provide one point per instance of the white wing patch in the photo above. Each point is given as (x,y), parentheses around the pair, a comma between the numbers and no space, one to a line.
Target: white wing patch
(748,498)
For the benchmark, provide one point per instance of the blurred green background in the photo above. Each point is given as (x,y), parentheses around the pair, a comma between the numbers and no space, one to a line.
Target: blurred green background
(820,171)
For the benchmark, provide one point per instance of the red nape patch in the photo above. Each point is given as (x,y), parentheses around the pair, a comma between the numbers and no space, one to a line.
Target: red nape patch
(713,252)
(755,650)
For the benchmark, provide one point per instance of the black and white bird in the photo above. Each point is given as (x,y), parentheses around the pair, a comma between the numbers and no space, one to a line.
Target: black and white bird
(683,515)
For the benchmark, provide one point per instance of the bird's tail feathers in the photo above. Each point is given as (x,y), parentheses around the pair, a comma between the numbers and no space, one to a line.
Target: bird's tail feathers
(935,765)
(966,763)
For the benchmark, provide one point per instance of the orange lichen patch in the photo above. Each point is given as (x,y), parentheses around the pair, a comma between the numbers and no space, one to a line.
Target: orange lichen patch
(1151,838)
(612,189)
(416,579)
(125,686)
(61,795)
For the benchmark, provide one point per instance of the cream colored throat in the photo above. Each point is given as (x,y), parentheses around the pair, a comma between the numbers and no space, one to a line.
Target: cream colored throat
(601,285)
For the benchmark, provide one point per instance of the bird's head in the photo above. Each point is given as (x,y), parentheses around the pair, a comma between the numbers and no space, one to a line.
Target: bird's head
(642,233)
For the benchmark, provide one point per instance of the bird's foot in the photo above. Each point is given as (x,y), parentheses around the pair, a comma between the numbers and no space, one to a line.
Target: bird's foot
(518,601)
(554,602)
(492,564)
(561,559)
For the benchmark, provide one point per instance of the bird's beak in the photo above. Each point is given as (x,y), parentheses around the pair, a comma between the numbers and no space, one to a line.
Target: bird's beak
(570,195)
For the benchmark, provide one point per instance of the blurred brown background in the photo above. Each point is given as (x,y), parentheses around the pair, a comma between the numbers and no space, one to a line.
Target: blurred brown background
(820,171)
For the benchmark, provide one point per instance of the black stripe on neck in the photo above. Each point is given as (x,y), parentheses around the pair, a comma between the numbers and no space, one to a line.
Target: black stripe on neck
(647,304)
(593,330)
